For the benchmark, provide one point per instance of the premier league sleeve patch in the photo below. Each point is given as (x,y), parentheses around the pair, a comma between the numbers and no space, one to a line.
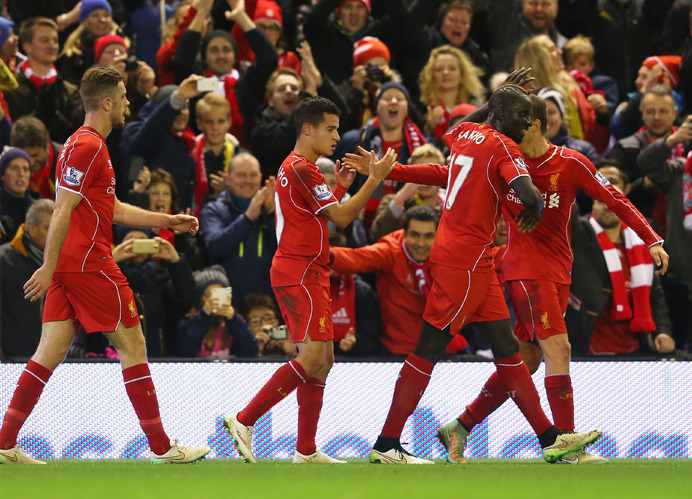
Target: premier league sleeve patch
(520,163)
(602,180)
(322,192)
(72,176)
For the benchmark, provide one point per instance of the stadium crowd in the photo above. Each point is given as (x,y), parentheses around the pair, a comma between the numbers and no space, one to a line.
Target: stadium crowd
(615,75)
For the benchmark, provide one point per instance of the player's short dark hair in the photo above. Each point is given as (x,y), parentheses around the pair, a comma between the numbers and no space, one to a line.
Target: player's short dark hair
(29,131)
(312,110)
(538,112)
(98,83)
(420,213)
(505,96)
(611,163)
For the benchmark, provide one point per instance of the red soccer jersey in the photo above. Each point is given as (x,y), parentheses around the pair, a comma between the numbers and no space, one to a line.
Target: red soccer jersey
(302,256)
(483,163)
(84,167)
(546,252)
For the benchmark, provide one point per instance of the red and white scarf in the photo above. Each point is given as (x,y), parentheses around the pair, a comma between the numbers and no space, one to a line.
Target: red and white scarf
(227,90)
(412,134)
(39,80)
(641,271)
(201,179)
(343,294)
(421,272)
(687,193)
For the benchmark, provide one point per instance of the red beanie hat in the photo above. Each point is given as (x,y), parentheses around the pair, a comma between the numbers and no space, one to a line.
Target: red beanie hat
(268,10)
(670,64)
(462,109)
(368,47)
(364,2)
(103,41)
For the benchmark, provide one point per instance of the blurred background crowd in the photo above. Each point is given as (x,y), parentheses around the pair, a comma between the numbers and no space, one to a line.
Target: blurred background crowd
(616,76)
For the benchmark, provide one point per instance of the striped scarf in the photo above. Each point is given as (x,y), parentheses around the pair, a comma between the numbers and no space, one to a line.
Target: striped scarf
(641,271)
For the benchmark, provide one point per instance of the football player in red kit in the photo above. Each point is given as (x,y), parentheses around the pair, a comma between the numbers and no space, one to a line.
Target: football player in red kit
(300,273)
(536,270)
(79,278)
(485,162)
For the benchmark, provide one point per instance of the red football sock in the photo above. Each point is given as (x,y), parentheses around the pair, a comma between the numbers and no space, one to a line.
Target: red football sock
(26,395)
(310,396)
(493,395)
(559,390)
(140,389)
(286,379)
(413,380)
(519,386)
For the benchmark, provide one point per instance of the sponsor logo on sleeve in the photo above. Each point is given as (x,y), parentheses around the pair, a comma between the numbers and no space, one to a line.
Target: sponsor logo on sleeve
(322,192)
(520,163)
(602,180)
(72,176)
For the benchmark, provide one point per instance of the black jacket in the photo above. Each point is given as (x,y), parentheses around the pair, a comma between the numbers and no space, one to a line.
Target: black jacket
(591,290)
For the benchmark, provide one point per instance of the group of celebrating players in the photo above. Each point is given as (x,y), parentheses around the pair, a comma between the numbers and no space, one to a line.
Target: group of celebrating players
(499,162)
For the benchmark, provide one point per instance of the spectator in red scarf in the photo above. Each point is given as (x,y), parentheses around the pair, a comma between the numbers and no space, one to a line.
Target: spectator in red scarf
(42,92)
(31,135)
(244,90)
(392,127)
(400,260)
(614,308)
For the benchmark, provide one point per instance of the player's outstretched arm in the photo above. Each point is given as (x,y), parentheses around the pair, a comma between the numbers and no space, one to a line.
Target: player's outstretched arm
(37,286)
(530,197)
(342,214)
(126,214)
(426,174)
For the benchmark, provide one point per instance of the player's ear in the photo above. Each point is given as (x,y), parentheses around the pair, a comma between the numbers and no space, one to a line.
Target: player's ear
(307,129)
(107,104)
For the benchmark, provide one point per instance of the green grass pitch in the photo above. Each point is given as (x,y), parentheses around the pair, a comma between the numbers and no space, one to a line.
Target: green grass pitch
(480,478)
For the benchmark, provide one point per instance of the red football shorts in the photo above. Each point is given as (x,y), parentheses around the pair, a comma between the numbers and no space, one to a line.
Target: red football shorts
(539,306)
(306,310)
(98,301)
(459,297)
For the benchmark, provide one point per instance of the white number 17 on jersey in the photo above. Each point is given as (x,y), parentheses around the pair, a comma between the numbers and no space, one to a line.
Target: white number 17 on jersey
(466,162)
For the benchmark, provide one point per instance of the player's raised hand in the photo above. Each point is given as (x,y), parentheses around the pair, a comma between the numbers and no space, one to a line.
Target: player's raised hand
(359,162)
(345,175)
(382,168)
(38,284)
(184,223)
(660,258)
(528,220)
(519,77)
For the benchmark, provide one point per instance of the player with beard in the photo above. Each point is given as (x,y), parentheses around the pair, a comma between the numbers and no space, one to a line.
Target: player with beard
(300,273)
(536,270)
(82,283)
(485,163)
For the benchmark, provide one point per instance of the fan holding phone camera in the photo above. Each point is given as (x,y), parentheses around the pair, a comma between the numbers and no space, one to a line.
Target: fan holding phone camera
(212,326)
